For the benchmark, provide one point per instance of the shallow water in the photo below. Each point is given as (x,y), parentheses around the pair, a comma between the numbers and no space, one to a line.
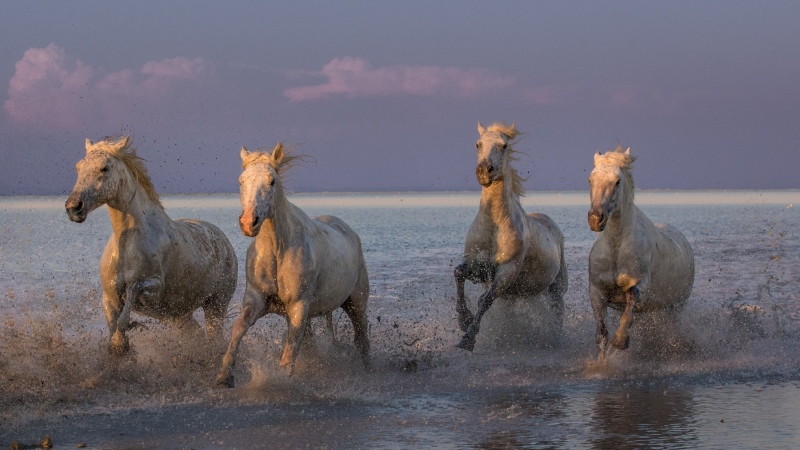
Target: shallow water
(726,376)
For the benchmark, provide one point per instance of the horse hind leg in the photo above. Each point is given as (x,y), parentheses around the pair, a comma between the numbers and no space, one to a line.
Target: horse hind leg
(356,309)
(214,311)
(329,323)
(556,292)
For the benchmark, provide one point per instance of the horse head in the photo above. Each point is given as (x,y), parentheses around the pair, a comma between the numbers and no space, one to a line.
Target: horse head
(610,186)
(100,175)
(259,187)
(493,151)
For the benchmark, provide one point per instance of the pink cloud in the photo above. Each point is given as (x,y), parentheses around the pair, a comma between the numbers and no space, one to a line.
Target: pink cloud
(354,77)
(51,90)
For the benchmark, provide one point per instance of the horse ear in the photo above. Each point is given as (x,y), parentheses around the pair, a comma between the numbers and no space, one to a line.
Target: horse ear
(481,130)
(277,152)
(628,151)
(514,125)
(125,142)
(243,153)
(89,144)
(596,157)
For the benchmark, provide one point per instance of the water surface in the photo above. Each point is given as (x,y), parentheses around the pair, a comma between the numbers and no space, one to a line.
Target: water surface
(727,377)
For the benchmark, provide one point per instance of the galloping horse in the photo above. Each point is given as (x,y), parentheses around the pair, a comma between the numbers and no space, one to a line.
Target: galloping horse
(635,265)
(297,266)
(151,265)
(514,253)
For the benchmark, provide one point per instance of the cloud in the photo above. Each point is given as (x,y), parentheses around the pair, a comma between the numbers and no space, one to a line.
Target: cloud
(50,89)
(354,77)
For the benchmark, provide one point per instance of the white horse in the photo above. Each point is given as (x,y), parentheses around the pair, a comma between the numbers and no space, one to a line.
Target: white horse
(151,265)
(635,265)
(514,253)
(297,266)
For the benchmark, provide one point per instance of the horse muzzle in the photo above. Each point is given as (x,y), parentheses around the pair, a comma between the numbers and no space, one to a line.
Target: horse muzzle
(76,209)
(250,225)
(485,173)
(597,220)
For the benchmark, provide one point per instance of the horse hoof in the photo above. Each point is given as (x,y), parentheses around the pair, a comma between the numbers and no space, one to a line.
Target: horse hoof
(119,350)
(467,343)
(288,369)
(225,382)
(619,344)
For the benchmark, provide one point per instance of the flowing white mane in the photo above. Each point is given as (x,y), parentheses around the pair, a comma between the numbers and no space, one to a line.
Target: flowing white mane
(511,133)
(286,161)
(618,157)
(121,147)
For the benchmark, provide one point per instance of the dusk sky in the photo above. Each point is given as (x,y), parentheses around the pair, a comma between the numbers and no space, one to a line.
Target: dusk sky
(386,95)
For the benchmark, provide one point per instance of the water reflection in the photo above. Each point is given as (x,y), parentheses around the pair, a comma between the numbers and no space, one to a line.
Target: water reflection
(636,417)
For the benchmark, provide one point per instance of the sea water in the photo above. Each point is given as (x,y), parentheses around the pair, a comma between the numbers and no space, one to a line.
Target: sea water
(726,374)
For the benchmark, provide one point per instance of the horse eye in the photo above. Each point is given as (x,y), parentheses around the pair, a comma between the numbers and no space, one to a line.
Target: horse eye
(104,169)
(618,182)
(505,146)
(272,183)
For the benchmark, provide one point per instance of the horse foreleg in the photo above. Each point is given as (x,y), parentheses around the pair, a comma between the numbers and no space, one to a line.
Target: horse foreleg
(599,308)
(112,307)
(253,308)
(296,318)
(468,340)
(148,287)
(621,338)
(503,278)
(465,317)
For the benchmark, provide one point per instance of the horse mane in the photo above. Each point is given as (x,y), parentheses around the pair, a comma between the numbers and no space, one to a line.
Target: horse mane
(121,147)
(289,159)
(619,157)
(511,132)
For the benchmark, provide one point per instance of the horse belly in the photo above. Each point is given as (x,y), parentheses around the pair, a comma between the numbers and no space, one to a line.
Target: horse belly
(543,261)
(339,263)
(336,283)
(202,265)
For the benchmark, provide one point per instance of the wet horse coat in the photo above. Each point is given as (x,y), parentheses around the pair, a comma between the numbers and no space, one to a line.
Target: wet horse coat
(513,252)
(151,265)
(635,265)
(297,266)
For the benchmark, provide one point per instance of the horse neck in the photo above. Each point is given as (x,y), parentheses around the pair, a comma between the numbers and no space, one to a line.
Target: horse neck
(132,208)
(285,224)
(622,220)
(499,201)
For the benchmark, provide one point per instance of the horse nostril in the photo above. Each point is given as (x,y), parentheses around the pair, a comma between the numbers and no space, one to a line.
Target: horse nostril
(490,169)
(78,207)
(255,221)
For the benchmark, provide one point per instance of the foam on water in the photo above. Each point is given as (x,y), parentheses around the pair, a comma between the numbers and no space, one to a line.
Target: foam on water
(742,321)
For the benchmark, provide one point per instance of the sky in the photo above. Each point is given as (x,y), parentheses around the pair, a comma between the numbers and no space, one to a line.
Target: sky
(386,96)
